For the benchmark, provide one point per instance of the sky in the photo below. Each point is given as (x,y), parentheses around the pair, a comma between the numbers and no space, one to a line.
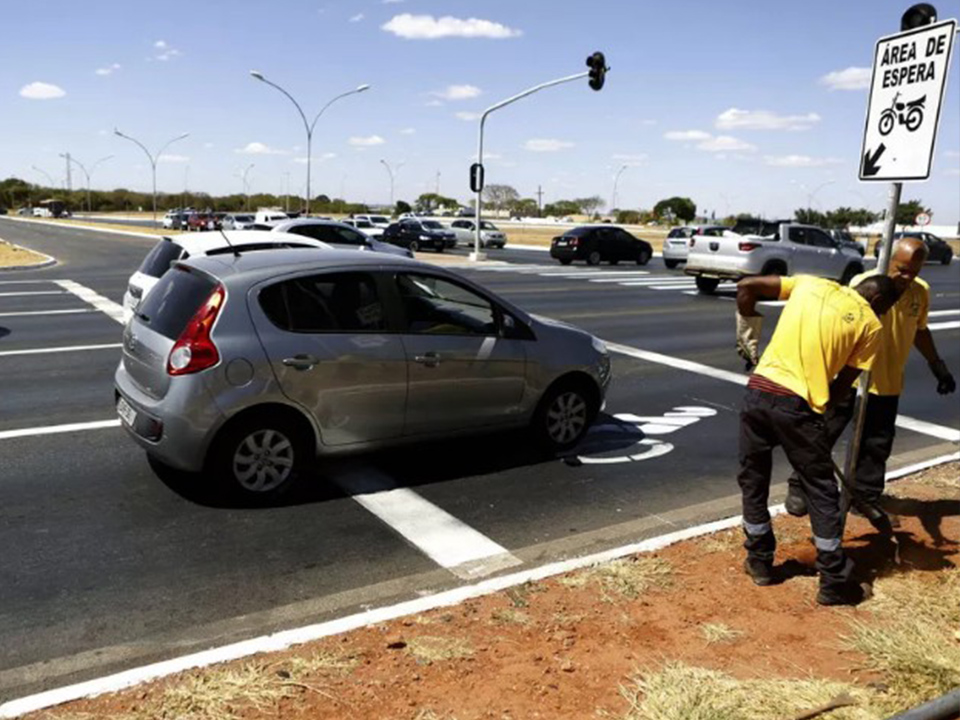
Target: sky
(743,105)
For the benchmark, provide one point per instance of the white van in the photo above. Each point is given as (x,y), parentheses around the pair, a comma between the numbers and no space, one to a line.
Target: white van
(268,217)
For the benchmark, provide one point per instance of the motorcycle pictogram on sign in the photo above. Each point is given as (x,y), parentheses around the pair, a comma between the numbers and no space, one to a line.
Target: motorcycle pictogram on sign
(909,114)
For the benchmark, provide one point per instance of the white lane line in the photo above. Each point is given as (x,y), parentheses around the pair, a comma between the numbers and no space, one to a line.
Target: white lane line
(56,429)
(24,282)
(670,287)
(68,348)
(640,281)
(908,423)
(297,636)
(104,305)
(46,312)
(446,540)
(33,292)
(601,273)
(941,313)
(944,325)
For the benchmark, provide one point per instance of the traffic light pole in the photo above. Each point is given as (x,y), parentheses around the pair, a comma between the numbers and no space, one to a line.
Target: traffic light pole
(476,255)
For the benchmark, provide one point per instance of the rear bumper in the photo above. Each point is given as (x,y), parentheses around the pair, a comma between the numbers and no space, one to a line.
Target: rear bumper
(562,253)
(675,252)
(724,267)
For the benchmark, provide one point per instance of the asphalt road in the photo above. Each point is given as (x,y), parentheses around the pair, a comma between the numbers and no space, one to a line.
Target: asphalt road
(107,565)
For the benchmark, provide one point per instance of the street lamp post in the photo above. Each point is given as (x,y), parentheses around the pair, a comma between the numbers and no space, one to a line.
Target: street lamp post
(246,195)
(46,175)
(613,205)
(390,173)
(153,162)
(820,187)
(308,126)
(476,254)
(86,174)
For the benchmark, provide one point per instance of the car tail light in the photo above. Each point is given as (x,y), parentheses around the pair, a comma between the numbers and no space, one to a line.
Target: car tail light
(194,350)
(574,241)
(748,246)
(693,241)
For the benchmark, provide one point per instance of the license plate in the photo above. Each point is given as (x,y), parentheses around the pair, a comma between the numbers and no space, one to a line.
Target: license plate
(126,413)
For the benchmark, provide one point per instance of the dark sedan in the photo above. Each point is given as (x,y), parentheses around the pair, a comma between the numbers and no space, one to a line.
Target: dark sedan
(940,250)
(599,243)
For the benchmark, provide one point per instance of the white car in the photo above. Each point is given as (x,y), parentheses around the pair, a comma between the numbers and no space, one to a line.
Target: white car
(380,221)
(490,234)
(238,221)
(365,226)
(180,247)
(676,246)
(268,217)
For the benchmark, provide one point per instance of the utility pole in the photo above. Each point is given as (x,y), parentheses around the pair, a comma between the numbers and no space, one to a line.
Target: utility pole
(69,176)
(539,201)
(438,182)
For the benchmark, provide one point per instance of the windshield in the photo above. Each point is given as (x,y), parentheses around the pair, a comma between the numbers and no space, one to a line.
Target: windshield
(158,260)
(378,219)
(362,223)
(243,218)
(432,224)
(488,225)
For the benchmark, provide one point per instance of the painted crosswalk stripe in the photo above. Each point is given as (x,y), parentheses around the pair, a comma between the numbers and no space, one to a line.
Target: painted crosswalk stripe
(670,287)
(104,305)
(944,325)
(942,313)
(447,541)
(69,348)
(57,429)
(47,312)
(33,292)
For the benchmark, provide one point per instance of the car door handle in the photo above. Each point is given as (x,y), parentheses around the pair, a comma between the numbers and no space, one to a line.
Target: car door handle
(301,362)
(430,359)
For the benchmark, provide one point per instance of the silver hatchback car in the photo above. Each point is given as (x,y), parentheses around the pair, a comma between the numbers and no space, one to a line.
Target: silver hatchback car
(251,366)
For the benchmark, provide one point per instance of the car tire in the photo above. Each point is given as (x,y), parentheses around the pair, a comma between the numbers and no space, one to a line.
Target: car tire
(671,264)
(707,285)
(643,258)
(440,249)
(593,258)
(563,416)
(413,246)
(947,259)
(566,261)
(260,458)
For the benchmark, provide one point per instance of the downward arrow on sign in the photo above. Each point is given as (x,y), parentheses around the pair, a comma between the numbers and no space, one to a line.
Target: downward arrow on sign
(870,166)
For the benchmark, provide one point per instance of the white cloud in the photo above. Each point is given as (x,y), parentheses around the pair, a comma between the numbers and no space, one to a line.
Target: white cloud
(464,115)
(427,27)
(408,131)
(41,91)
(434,103)
(952,154)
(160,44)
(173,158)
(853,78)
(800,161)
(692,135)
(207,145)
(725,143)
(259,148)
(166,52)
(735,118)
(391,2)
(357,18)
(458,92)
(108,70)
(322,158)
(628,159)
(546,145)
(366,141)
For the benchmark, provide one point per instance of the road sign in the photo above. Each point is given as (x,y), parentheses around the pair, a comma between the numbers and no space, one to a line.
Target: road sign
(909,77)
(922,219)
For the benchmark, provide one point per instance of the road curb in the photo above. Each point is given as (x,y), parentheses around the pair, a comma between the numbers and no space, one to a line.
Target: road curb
(282,640)
(46,262)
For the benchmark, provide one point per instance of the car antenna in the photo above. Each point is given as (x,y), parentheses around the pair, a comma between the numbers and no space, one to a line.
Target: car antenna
(236,253)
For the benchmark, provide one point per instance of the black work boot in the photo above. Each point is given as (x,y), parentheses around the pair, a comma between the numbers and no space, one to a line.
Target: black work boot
(796,503)
(847,594)
(760,571)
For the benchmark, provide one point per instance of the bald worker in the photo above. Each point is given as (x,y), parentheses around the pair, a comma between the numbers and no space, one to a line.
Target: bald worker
(905,325)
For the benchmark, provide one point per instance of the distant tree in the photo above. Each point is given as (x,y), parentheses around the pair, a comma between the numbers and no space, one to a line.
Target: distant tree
(499,196)
(429,202)
(526,207)
(681,208)
(809,216)
(628,217)
(907,212)
(402,207)
(561,208)
(590,205)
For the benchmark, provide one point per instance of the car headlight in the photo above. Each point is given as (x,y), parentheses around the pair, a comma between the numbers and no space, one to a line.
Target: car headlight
(599,345)
(426,237)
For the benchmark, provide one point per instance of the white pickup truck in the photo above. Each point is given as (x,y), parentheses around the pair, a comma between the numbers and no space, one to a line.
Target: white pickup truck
(762,248)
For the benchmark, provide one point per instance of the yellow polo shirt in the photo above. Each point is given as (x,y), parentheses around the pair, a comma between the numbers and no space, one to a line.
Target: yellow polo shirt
(823,327)
(900,325)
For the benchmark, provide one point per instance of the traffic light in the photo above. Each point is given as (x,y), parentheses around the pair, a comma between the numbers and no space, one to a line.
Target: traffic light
(918,16)
(598,69)
(476,177)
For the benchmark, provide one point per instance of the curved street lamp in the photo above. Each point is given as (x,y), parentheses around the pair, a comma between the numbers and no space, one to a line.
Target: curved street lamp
(390,173)
(46,175)
(243,176)
(153,162)
(308,126)
(613,205)
(86,174)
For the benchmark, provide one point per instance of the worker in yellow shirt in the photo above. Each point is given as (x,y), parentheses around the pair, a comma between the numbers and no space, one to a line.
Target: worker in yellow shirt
(905,326)
(827,334)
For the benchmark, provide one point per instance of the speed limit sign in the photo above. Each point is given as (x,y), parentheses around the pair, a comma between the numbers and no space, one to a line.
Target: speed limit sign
(922,219)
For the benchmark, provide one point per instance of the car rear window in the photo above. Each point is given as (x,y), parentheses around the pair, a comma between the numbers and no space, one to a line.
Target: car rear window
(158,260)
(173,301)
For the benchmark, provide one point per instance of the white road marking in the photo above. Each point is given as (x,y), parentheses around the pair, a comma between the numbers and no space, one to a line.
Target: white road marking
(33,292)
(24,282)
(56,429)
(944,326)
(69,348)
(282,640)
(576,275)
(447,541)
(908,423)
(674,286)
(46,312)
(104,305)
(941,313)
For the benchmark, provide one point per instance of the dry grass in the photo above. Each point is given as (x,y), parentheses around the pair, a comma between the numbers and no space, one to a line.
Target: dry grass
(723,541)
(629,578)
(509,616)
(429,648)
(719,633)
(428,714)
(11,256)
(911,636)
(682,692)
(945,478)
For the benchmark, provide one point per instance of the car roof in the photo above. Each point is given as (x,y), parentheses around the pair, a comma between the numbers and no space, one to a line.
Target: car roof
(298,222)
(200,243)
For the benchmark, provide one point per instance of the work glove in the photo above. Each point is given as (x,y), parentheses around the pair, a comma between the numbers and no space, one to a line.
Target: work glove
(748,339)
(945,382)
